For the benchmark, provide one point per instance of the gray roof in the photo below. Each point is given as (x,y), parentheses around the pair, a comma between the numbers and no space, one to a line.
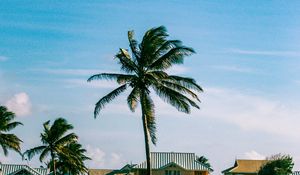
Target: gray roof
(10,169)
(186,161)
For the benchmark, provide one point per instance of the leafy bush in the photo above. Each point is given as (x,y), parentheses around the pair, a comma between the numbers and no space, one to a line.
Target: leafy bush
(277,165)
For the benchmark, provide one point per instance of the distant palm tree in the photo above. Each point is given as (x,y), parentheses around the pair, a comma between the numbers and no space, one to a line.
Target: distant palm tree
(53,139)
(145,70)
(71,159)
(204,162)
(8,141)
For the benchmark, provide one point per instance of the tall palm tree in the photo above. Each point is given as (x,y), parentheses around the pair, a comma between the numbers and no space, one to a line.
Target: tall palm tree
(7,140)
(53,138)
(145,69)
(71,159)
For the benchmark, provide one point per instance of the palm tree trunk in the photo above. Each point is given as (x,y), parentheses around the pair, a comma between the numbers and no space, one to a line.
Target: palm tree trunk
(146,135)
(53,161)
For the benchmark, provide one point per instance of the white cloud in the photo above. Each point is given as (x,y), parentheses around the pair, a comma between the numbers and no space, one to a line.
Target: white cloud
(3,58)
(116,160)
(246,111)
(97,156)
(100,159)
(253,155)
(265,52)
(251,112)
(20,104)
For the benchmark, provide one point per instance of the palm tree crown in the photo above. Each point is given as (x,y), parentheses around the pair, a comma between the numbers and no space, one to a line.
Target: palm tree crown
(205,162)
(71,159)
(145,69)
(8,141)
(53,138)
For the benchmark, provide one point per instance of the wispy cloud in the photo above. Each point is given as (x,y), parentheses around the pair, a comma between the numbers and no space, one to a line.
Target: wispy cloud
(264,52)
(3,58)
(234,69)
(246,111)
(251,112)
(77,82)
(80,72)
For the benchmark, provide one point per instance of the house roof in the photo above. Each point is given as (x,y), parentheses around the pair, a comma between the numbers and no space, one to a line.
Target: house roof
(186,161)
(99,171)
(10,169)
(245,166)
(126,169)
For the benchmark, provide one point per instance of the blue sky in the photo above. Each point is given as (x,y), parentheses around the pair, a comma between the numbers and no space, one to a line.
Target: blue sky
(247,62)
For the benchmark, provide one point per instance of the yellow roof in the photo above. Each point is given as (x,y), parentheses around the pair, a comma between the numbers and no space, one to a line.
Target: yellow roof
(246,166)
(99,171)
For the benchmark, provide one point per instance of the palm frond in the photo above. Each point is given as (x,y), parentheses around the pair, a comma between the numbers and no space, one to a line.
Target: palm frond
(5,149)
(158,74)
(132,99)
(108,98)
(127,64)
(134,46)
(151,42)
(69,138)
(44,153)
(174,56)
(59,127)
(176,99)
(11,126)
(10,141)
(33,151)
(187,82)
(121,78)
(179,88)
(166,46)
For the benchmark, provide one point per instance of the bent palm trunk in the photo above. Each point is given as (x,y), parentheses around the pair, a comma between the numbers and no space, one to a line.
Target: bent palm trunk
(146,135)
(53,162)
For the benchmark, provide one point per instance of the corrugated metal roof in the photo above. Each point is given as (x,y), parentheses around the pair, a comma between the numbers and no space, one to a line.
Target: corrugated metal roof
(187,161)
(9,169)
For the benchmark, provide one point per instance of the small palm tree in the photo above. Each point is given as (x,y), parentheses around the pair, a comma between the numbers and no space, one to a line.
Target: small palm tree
(7,140)
(204,162)
(146,70)
(71,159)
(53,138)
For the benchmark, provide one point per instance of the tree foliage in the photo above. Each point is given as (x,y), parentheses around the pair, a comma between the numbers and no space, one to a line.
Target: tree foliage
(145,70)
(205,162)
(8,141)
(277,165)
(71,160)
(60,145)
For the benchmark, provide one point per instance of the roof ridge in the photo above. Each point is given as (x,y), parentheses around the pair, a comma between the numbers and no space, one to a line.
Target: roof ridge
(32,169)
(252,159)
(172,152)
